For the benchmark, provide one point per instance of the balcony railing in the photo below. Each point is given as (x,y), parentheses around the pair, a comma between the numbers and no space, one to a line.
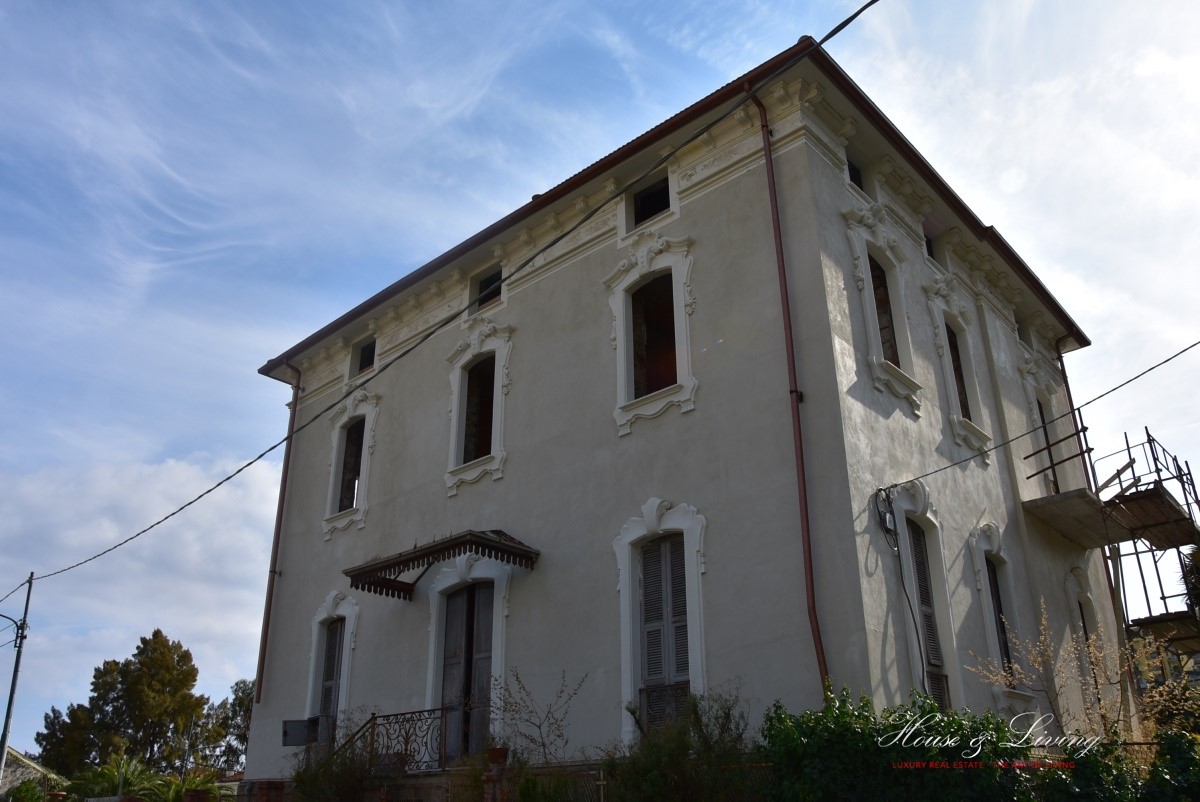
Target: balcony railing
(403,742)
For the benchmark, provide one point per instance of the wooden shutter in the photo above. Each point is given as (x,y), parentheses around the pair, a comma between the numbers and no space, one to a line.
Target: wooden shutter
(934,671)
(331,671)
(481,666)
(998,612)
(454,669)
(665,657)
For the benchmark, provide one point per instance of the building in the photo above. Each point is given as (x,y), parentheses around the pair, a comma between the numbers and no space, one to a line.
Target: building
(738,403)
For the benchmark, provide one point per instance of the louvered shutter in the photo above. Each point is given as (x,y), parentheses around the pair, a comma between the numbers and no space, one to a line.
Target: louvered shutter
(332,668)
(454,671)
(678,595)
(654,646)
(935,677)
(481,667)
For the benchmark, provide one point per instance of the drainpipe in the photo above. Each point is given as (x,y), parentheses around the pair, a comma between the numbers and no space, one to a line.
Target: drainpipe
(274,569)
(793,392)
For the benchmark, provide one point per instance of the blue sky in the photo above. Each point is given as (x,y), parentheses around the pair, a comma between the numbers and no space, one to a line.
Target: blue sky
(186,189)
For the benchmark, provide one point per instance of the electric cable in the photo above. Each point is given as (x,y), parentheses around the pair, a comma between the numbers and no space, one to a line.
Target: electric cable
(436,326)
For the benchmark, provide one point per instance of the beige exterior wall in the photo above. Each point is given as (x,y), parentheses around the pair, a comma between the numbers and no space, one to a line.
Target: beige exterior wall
(569,480)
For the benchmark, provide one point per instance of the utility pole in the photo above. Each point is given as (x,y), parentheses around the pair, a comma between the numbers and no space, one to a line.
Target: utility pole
(22,628)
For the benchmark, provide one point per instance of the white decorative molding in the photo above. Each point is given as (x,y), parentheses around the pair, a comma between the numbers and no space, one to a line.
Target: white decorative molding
(483,335)
(336,605)
(912,501)
(987,541)
(945,309)
(870,236)
(658,517)
(362,404)
(656,254)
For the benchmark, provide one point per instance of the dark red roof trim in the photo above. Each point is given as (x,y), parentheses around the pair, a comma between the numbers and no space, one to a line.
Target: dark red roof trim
(379,576)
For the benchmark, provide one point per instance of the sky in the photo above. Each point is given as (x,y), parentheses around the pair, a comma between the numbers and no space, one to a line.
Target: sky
(188,189)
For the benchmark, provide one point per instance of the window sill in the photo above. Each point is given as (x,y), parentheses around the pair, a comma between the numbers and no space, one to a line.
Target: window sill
(891,377)
(491,465)
(681,394)
(356,516)
(968,434)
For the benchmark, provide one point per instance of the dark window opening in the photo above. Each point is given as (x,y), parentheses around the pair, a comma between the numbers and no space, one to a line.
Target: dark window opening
(929,248)
(1023,332)
(665,685)
(653,322)
(651,201)
(960,377)
(366,356)
(998,612)
(477,409)
(467,668)
(351,469)
(937,683)
(883,312)
(487,289)
(856,176)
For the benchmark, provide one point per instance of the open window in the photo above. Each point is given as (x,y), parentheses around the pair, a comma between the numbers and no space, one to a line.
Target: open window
(331,648)
(479,382)
(934,664)
(353,423)
(485,288)
(651,300)
(364,356)
(964,405)
(647,205)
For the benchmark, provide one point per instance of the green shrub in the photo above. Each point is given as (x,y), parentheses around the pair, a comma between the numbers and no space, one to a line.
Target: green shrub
(705,756)
(26,791)
(1175,772)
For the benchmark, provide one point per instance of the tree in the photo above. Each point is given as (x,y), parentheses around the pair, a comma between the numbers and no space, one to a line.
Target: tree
(226,728)
(143,707)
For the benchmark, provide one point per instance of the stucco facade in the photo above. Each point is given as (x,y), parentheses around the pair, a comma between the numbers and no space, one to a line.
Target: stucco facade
(584,470)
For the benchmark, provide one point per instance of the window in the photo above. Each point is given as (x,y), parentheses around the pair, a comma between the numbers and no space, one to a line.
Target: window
(467,668)
(883,313)
(351,468)
(1048,444)
(331,671)
(485,288)
(934,664)
(652,316)
(855,174)
(651,201)
(651,300)
(1002,641)
(350,462)
(364,358)
(479,383)
(665,686)
(659,567)
(478,408)
(960,380)
(330,652)
(952,322)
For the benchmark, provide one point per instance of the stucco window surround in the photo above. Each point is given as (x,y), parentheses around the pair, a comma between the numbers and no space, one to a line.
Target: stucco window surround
(627,229)
(986,543)
(872,236)
(466,569)
(946,312)
(482,336)
(912,502)
(1041,387)
(365,406)
(484,292)
(336,605)
(657,518)
(659,256)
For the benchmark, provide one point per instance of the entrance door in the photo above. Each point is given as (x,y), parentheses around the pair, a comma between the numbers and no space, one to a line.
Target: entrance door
(467,668)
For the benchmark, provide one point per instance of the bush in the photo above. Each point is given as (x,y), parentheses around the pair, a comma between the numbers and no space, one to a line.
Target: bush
(705,756)
(26,791)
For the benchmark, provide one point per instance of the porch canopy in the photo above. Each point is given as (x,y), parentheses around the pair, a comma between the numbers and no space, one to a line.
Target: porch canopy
(382,575)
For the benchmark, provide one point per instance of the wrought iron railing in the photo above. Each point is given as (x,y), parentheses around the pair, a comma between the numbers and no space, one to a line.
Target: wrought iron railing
(403,742)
